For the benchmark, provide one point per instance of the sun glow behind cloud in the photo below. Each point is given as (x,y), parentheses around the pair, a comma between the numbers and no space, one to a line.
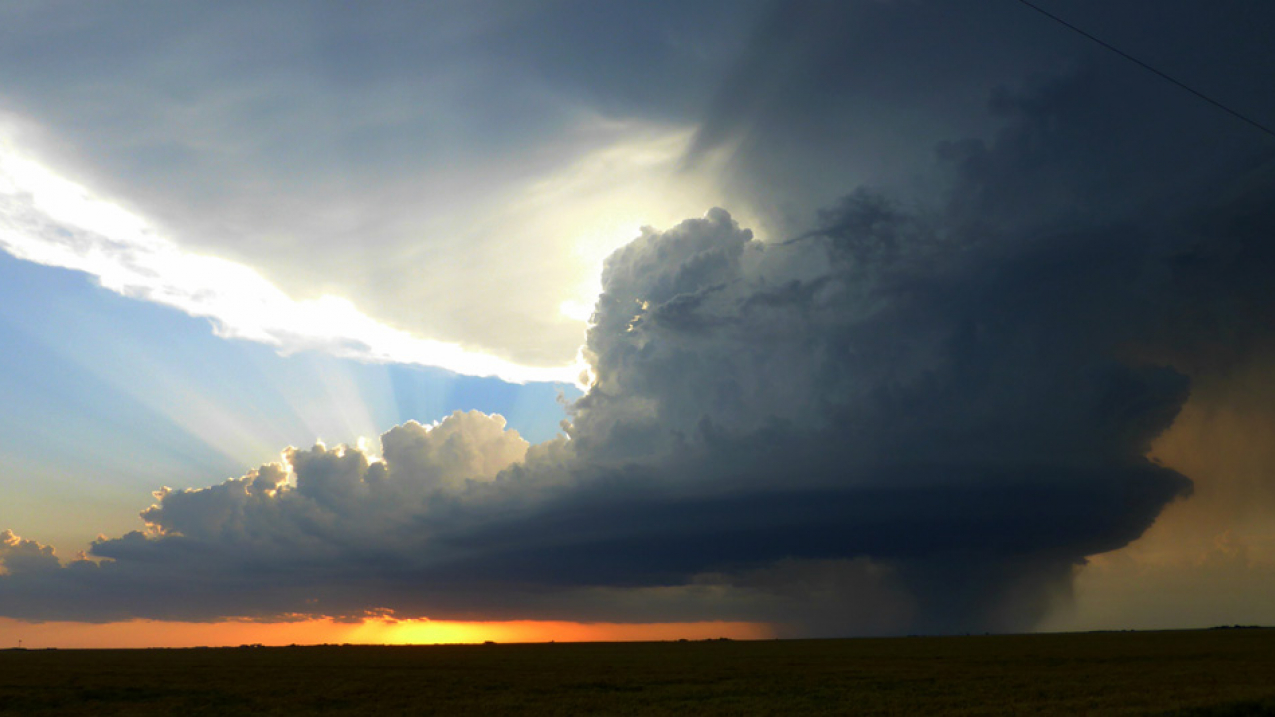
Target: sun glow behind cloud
(47,219)
(603,199)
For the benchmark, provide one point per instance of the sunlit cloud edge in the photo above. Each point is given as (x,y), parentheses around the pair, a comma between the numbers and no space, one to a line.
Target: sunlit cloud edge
(50,220)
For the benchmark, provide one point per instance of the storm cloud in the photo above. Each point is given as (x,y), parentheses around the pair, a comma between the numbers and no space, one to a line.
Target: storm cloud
(918,414)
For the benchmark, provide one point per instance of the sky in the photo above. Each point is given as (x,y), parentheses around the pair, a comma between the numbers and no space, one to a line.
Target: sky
(574,320)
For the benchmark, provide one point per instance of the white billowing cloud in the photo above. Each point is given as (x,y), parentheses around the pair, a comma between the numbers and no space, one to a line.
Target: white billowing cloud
(355,491)
(343,493)
(314,516)
(47,219)
(464,446)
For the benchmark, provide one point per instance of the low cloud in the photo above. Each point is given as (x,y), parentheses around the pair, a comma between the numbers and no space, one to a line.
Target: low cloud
(911,417)
(19,556)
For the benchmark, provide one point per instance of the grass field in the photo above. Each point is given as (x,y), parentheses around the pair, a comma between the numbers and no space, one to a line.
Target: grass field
(1209,672)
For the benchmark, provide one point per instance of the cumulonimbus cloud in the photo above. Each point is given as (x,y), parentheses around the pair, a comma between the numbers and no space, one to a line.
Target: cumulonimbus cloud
(909,418)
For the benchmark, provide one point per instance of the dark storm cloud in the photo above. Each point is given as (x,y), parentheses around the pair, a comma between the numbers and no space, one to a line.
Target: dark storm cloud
(925,409)
(827,95)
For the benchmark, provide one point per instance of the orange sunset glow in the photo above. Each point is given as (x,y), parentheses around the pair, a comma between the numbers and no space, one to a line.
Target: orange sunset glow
(155,633)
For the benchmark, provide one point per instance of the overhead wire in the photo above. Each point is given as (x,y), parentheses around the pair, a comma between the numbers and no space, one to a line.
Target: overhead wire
(1149,68)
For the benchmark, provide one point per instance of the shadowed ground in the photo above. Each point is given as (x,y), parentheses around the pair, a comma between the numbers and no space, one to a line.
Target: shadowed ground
(1211,672)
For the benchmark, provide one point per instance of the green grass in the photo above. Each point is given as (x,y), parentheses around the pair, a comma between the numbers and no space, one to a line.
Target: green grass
(1188,673)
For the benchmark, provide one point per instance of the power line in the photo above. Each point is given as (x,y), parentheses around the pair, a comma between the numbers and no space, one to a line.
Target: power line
(1149,68)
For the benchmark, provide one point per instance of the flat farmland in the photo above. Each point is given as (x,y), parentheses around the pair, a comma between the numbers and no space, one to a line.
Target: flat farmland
(1206,672)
